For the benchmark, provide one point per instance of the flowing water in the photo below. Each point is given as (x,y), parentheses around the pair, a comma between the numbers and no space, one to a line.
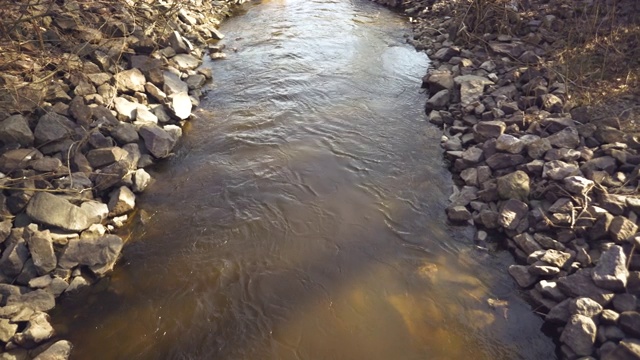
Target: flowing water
(302,216)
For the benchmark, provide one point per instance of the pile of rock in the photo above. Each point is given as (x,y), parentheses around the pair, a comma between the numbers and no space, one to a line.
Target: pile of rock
(561,187)
(75,148)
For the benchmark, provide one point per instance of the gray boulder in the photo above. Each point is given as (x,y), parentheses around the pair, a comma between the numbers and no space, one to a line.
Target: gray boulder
(585,306)
(99,254)
(438,101)
(580,284)
(471,88)
(490,129)
(53,127)
(53,210)
(522,276)
(514,186)
(611,271)
(41,249)
(173,84)
(15,255)
(125,108)
(122,201)
(186,61)
(38,300)
(37,331)
(60,350)
(580,335)
(509,143)
(156,140)
(130,81)
(17,159)
(629,322)
(181,105)
(15,130)
(622,229)
(105,156)
(7,330)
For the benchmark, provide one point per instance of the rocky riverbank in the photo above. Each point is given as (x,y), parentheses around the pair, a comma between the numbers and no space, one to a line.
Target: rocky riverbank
(558,183)
(91,93)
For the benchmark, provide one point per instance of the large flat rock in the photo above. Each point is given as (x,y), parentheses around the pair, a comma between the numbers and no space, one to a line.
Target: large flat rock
(49,209)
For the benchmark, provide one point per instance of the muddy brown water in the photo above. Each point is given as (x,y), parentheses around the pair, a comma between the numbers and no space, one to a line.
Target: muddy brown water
(302,216)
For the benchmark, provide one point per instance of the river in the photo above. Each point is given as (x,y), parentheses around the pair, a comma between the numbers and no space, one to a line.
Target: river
(302,216)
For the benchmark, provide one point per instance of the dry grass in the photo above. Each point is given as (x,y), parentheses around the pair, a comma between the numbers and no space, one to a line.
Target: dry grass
(597,45)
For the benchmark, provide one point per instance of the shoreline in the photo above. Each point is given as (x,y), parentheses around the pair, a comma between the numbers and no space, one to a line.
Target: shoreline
(558,184)
(108,90)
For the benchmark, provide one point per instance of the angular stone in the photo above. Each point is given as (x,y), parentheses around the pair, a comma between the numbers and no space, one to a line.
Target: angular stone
(562,205)
(526,242)
(53,210)
(622,229)
(509,143)
(627,349)
(578,185)
(125,133)
(37,331)
(173,84)
(125,108)
(143,115)
(549,289)
(38,300)
(156,140)
(7,330)
(186,61)
(514,186)
(556,258)
(522,276)
(141,180)
(105,156)
(559,170)
(551,103)
(580,284)
(537,148)
(181,105)
(580,335)
(41,249)
(80,111)
(438,101)
(559,314)
(611,271)
(446,53)
(437,81)
(540,268)
(471,88)
(155,92)
(502,161)
(629,322)
(18,159)
(512,49)
(130,81)
(512,212)
(99,254)
(15,130)
(52,127)
(490,129)
(567,138)
(178,44)
(15,255)
(458,213)
(624,302)
(47,164)
(122,201)
(60,350)
(585,307)
(110,175)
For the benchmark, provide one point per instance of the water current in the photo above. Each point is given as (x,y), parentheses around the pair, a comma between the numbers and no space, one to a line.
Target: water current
(302,216)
